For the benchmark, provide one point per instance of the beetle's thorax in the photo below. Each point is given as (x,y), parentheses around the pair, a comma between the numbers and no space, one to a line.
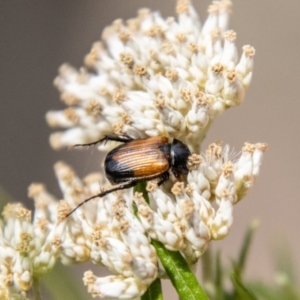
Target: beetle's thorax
(179,157)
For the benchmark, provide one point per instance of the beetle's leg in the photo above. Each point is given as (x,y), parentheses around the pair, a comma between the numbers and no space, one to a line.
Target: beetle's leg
(164,177)
(104,193)
(106,138)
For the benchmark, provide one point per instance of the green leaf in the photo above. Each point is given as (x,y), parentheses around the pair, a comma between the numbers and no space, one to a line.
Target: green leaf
(243,255)
(284,262)
(182,278)
(265,292)
(241,292)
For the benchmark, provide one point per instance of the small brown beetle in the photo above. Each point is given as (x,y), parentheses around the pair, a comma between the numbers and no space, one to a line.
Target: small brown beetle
(141,160)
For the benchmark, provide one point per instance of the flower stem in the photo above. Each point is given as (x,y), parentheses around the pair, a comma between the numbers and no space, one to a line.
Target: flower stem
(154,291)
(141,188)
(207,262)
(36,288)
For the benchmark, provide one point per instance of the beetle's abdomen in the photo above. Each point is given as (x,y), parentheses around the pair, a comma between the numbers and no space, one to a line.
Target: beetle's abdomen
(138,159)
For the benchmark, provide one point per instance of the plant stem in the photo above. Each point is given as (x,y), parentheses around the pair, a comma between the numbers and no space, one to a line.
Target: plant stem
(36,288)
(154,291)
(206,263)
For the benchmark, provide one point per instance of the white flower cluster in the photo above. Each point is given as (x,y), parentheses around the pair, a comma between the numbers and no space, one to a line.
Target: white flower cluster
(151,77)
(107,231)
(154,77)
(28,248)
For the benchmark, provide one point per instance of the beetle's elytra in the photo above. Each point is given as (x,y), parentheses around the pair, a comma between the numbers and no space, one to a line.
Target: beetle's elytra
(141,160)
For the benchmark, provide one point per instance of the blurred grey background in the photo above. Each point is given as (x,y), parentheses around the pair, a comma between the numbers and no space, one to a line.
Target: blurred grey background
(38,36)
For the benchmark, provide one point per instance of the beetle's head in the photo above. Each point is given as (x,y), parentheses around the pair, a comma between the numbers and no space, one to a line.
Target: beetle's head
(179,153)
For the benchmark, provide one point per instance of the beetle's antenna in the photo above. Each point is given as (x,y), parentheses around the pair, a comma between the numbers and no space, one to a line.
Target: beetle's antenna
(104,193)
(124,139)
(89,144)
(80,204)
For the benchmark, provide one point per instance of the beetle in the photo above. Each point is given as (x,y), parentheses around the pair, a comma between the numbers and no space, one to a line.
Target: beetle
(137,160)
